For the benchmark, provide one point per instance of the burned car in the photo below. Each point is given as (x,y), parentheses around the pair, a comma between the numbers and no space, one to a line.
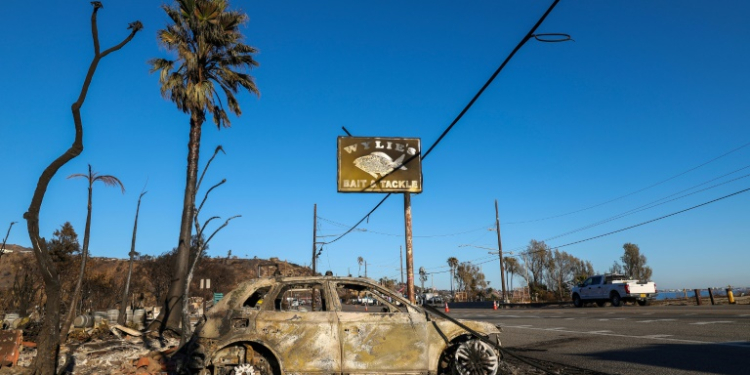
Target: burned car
(315,325)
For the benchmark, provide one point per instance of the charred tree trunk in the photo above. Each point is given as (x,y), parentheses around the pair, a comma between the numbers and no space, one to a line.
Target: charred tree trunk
(68,321)
(126,290)
(170,316)
(45,363)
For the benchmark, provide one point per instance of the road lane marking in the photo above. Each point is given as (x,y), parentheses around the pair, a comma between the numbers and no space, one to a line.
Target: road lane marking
(554,329)
(603,331)
(604,320)
(656,320)
(741,344)
(618,335)
(715,322)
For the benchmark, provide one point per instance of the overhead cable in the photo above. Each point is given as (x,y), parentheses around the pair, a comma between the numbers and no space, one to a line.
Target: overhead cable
(523,41)
(631,193)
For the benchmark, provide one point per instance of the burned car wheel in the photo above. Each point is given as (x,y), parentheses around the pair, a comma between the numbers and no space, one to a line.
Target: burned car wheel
(244,359)
(475,357)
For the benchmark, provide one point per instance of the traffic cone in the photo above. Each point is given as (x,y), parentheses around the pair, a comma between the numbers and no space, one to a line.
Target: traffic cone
(365,306)
(494,305)
(446,307)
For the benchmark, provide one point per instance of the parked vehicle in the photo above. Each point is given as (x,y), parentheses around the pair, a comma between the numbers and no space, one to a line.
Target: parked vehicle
(335,334)
(612,288)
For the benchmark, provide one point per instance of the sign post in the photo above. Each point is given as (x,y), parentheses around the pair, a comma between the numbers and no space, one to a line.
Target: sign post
(409,250)
(383,165)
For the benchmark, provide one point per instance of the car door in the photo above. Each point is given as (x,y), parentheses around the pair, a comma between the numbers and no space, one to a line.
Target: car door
(301,327)
(585,289)
(597,288)
(382,337)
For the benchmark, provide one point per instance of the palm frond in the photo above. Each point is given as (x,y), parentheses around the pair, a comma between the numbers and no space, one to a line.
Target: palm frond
(109,180)
(210,52)
(78,175)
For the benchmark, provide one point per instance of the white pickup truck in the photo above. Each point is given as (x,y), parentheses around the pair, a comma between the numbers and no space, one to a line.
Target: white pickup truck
(613,288)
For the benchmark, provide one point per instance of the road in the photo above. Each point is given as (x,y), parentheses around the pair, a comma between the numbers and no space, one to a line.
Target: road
(629,340)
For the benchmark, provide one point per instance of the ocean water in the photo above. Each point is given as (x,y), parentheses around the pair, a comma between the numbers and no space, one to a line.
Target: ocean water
(690,293)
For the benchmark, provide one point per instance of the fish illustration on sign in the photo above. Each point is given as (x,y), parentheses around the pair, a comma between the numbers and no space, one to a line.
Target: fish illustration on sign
(378,163)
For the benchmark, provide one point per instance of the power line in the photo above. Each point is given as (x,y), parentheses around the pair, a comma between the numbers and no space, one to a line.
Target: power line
(645,222)
(632,193)
(652,204)
(401,235)
(648,206)
(525,39)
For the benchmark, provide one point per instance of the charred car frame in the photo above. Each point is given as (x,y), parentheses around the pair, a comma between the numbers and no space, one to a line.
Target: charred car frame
(314,325)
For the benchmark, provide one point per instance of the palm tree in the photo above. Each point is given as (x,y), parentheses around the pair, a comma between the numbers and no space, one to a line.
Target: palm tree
(511,268)
(360,261)
(422,277)
(452,263)
(92,177)
(209,56)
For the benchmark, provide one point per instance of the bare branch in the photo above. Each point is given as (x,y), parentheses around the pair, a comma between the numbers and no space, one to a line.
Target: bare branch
(206,196)
(220,228)
(216,151)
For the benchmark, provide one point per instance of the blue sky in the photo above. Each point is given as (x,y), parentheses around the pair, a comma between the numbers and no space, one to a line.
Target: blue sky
(647,91)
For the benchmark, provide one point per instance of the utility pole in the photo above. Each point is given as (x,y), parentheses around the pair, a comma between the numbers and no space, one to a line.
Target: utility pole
(315,236)
(401,263)
(500,252)
(365,269)
(409,250)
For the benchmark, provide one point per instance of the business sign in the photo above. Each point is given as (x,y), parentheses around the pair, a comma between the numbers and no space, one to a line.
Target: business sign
(379,165)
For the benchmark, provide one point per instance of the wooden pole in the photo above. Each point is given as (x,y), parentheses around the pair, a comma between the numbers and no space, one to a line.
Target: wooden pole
(401,262)
(500,252)
(314,255)
(409,250)
(315,225)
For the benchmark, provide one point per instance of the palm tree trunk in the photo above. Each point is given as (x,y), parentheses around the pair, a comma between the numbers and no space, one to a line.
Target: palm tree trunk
(124,304)
(453,294)
(171,313)
(68,321)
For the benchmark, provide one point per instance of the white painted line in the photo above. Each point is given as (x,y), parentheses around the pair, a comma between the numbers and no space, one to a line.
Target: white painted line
(604,320)
(716,322)
(656,320)
(605,331)
(569,319)
(656,336)
(616,335)
(554,329)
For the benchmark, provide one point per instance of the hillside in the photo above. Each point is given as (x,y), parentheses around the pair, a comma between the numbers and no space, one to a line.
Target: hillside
(20,281)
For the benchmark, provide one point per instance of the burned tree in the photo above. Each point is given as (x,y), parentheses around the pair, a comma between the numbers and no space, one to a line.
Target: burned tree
(48,348)
(133,254)
(92,177)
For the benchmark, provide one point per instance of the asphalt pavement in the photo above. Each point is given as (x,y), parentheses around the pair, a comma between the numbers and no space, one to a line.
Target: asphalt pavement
(628,340)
